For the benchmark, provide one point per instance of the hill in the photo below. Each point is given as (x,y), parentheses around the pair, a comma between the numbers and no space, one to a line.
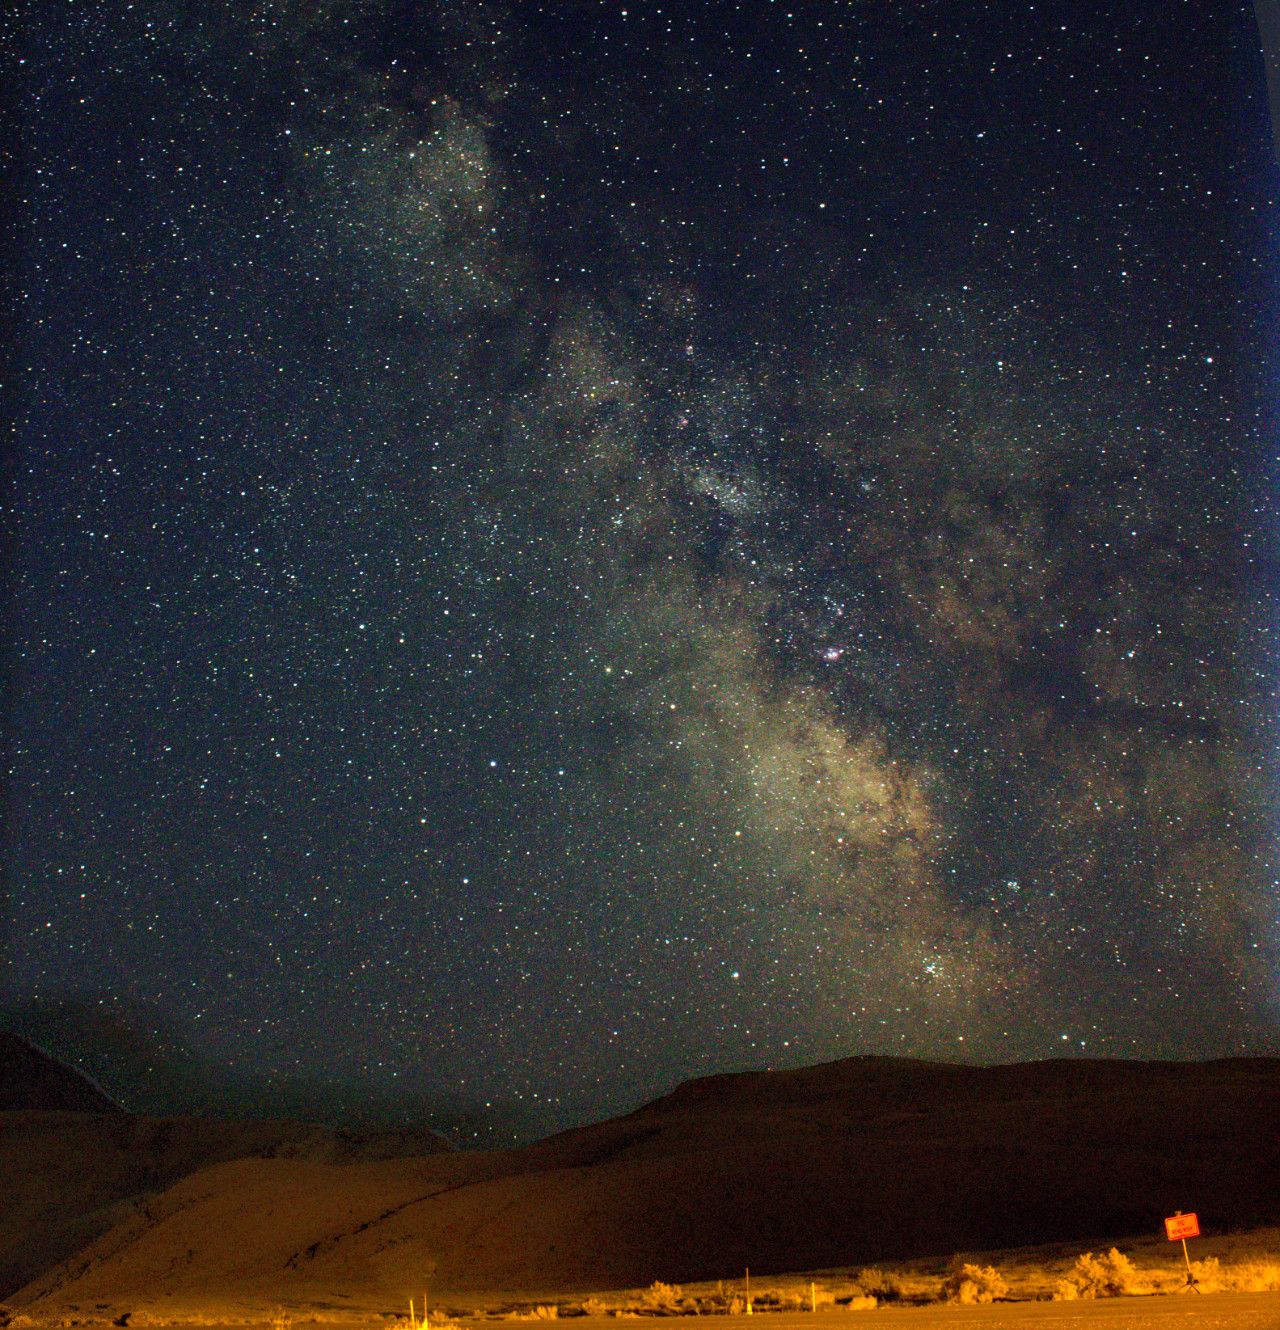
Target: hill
(856,1161)
(68,1177)
(148,1064)
(31,1079)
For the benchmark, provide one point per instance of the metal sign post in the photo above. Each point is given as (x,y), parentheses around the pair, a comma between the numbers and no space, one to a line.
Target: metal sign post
(1178,1228)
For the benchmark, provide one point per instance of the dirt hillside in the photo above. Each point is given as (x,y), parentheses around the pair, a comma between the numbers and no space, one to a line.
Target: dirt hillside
(850,1162)
(68,1177)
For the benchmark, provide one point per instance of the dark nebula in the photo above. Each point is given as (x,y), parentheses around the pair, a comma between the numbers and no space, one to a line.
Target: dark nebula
(563,547)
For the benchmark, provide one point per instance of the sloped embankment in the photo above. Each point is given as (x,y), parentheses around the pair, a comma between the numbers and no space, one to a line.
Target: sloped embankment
(854,1161)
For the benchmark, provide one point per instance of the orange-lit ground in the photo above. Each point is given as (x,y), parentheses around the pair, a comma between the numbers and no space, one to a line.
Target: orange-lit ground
(1221,1311)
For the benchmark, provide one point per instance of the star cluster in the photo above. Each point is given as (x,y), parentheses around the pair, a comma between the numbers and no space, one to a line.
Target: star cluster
(566,546)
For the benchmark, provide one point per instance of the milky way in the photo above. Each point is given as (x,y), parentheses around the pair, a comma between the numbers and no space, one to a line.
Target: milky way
(564,547)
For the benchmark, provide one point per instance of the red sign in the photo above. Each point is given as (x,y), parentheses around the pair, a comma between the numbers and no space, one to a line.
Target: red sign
(1181,1226)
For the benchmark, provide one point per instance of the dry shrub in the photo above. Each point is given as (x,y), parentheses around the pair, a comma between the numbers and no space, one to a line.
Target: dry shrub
(1108,1276)
(662,1299)
(715,1302)
(1208,1275)
(974,1283)
(1255,1277)
(593,1307)
(879,1284)
(1212,1276)
(781,1300)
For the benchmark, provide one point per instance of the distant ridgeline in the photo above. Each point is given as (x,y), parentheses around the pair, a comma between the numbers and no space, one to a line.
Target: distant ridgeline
(139,1061)
(31,1079)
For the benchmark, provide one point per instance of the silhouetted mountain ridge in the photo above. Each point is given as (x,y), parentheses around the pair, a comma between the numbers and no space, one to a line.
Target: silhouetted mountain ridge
(147,1065)
(30,1078)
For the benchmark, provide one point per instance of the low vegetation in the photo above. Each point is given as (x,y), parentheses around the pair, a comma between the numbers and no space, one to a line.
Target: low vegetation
(1109,1276)
(1228,1263)
(1115,1275)
(1212,1276)
(970,1283)
(880,1284)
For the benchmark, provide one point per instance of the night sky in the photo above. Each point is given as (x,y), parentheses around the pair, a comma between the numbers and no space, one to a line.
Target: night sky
(562,547)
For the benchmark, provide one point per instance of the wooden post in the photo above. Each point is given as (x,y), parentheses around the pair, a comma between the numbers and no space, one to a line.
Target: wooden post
(813,1296)
(748,1290)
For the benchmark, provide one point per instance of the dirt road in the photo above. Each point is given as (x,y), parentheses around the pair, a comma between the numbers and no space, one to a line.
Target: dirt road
(1217,1311)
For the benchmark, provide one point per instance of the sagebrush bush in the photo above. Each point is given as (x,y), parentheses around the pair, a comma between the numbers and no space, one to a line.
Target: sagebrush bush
(1212,1276)
(974,1283)
(781,1299)
(1255,1277)
(1107,1276)
(662,1297)
(1208,1275)
(879,1284)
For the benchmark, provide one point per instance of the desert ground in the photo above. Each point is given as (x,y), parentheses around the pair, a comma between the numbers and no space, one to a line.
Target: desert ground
(1227,1311)
(1239,1274)
(1223,1311)
(850,1170)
